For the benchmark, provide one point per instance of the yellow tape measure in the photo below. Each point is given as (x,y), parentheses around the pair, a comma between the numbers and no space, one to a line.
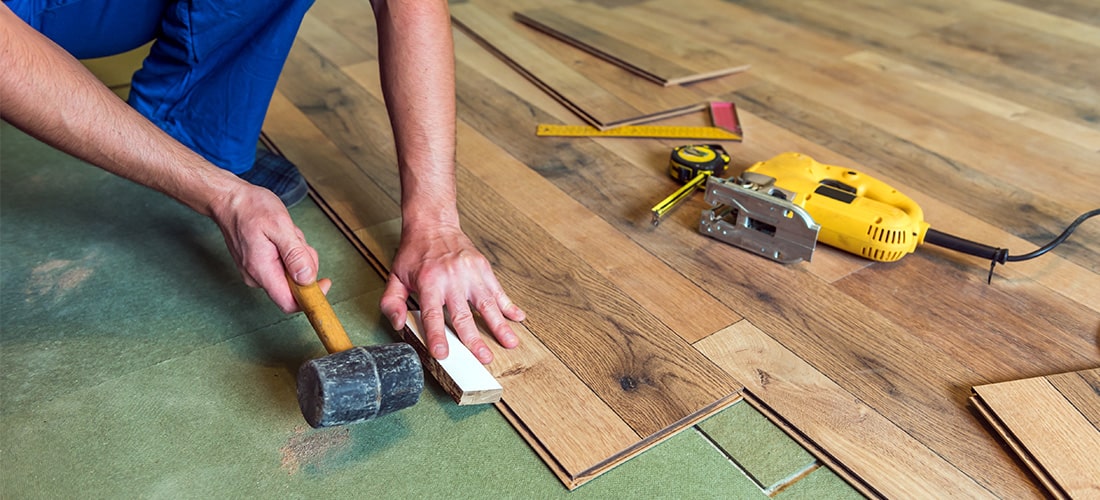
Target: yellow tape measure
(648,131)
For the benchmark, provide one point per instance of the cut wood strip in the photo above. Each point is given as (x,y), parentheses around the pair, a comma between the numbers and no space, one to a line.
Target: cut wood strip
(1055,439)
(866,442)
(460,373)
(604,33)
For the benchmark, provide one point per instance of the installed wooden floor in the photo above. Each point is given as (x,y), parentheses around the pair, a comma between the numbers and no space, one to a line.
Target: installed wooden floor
(985,112)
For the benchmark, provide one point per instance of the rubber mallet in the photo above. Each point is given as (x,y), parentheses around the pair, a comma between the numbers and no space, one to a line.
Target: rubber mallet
(352,384)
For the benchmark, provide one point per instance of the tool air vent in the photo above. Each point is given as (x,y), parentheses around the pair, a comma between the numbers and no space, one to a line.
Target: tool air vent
(888,236)
(880,255)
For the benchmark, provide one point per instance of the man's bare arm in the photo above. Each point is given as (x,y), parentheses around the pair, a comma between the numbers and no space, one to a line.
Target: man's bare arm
(48,94)
(436,260)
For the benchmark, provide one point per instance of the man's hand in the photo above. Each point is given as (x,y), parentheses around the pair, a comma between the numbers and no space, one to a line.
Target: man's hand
(265,243)
(444,268)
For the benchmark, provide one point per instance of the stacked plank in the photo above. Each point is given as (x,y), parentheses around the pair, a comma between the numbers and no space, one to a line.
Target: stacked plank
(604,95)
(982,111)
(1053,424)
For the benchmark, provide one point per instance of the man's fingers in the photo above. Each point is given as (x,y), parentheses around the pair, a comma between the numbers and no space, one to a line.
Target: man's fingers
(273,280)
(434,330)
(466,330)
(394,300)
(494,318)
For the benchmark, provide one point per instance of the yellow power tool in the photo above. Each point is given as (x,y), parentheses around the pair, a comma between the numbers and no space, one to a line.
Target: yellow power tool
(781,207)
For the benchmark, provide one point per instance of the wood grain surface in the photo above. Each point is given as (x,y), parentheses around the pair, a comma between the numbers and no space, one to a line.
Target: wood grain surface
(1051,423)
(985,112)
(668,55)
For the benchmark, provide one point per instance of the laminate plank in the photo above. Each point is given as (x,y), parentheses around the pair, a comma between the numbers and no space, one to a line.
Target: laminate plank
(1038,20)
(579,432)
(359,202)
(895,19)
(999,328)
(981,70)
(605,34)
(589,237)
(647,373)
(604,95)
(1082,390)
(1026,50)
(1084,11)
(878,455)
(1059,442)
(580,93)
(1037,121)
(921,118)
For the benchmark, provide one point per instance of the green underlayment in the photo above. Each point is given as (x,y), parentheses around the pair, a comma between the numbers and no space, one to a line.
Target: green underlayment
(137,364)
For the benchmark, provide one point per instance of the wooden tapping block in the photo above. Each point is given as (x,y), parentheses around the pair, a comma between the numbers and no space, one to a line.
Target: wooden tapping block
(460,374)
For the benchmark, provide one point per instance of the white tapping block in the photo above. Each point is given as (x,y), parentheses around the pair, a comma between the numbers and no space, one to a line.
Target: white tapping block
(460,374)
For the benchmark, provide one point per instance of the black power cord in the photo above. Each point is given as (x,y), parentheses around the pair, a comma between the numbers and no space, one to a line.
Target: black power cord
(1000,255)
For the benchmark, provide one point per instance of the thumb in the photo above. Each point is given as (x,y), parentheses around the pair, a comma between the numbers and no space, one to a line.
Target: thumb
(300,261)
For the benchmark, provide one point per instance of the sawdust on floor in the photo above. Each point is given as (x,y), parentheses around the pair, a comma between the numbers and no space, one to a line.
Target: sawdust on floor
(56,278)
(310,447)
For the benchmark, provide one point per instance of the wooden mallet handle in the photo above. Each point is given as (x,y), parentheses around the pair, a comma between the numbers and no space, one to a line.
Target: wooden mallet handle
(313,302)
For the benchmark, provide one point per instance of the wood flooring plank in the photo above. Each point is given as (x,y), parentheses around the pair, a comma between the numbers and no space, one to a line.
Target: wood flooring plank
(358,201)
(1026,50)
(1056,436)
(590,237)
(981,70)
(998,326)
(946,129)
(579,430)
(1082,390)
(1037,121)
(876,450)
(605,33)
(650,376)
(598,106)
(1082,10)
(895,19)
(1068,27)
(604,95)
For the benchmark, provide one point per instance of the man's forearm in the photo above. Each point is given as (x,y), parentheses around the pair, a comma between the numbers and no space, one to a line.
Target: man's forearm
(417,65)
